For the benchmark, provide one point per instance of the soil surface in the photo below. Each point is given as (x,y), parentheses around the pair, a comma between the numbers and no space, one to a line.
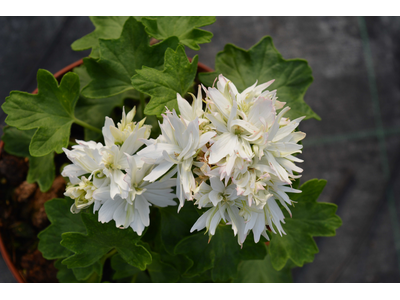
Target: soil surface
(22,217)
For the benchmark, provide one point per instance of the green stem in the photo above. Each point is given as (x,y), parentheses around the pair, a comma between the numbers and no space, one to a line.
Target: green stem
(86,125)
(108,255)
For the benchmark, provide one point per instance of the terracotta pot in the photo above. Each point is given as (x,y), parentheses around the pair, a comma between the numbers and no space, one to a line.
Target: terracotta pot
(58,75)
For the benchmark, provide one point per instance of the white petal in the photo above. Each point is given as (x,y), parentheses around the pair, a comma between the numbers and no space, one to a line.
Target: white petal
(106,212)
(119,215)
(215,220)
(184,108)
(158,171)
(108,137)
(217,185)
(226,145)
(205,138)
(155,151)
(143,207)
(201,221)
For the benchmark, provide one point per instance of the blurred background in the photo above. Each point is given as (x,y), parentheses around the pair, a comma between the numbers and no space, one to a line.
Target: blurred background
(356,146)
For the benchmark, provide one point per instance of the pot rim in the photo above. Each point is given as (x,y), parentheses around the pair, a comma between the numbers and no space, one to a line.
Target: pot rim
(6,256)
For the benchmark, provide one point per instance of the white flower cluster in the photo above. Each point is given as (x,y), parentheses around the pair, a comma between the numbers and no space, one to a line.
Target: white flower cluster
(114,177)
(235,158)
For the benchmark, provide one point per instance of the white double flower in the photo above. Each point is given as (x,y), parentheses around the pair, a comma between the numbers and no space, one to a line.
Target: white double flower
(115,183)
(176,147)
(253,152)
(240,146)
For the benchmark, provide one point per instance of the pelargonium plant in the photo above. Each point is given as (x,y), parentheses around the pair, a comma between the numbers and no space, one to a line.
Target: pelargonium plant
(175,176)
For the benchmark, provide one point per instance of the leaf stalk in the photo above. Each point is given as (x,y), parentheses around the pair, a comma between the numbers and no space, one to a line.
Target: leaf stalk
(86,125)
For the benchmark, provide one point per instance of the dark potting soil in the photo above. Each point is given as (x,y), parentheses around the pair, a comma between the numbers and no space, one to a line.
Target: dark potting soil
(22,217)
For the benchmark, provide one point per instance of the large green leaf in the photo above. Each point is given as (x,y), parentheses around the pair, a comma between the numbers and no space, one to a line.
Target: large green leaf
(121,268)
(94,111)
(65,275)
(62,220)
(51,111)
(161,271)
(310,218)
(175,226)
(263,62)
(41,169)
(262,271)
(101,239)
(93,272)
(222,254)
(177,77)
(185,28)
(120,58)
(106,28)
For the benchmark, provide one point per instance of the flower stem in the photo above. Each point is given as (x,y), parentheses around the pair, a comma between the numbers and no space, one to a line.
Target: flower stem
(86,125)
(108,255)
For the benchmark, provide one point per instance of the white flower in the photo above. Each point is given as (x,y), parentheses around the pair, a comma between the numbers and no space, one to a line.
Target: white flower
(82,192)
(126,139)
(223,207)
(242,119)
(85,157)
(110,160)
(190,113)
(257,219)
(265,210)
(253,153)
(232,139)
(126,128)
(133,210)
(177,145)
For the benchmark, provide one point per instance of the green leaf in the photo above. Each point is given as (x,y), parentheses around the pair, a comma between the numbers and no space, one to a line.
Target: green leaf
(41,169)
(93,272)
(222,254)
(51,111)
(263,62)
(94,111)
(310,218)
(121,268)
(62,220)
(201,278)
(120,58)
(177,77)
(185,28)
(106,28)
(101,239)
(142,277)
(65,275)
(160,271)
(175,226)
(261,271)
(16,142)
